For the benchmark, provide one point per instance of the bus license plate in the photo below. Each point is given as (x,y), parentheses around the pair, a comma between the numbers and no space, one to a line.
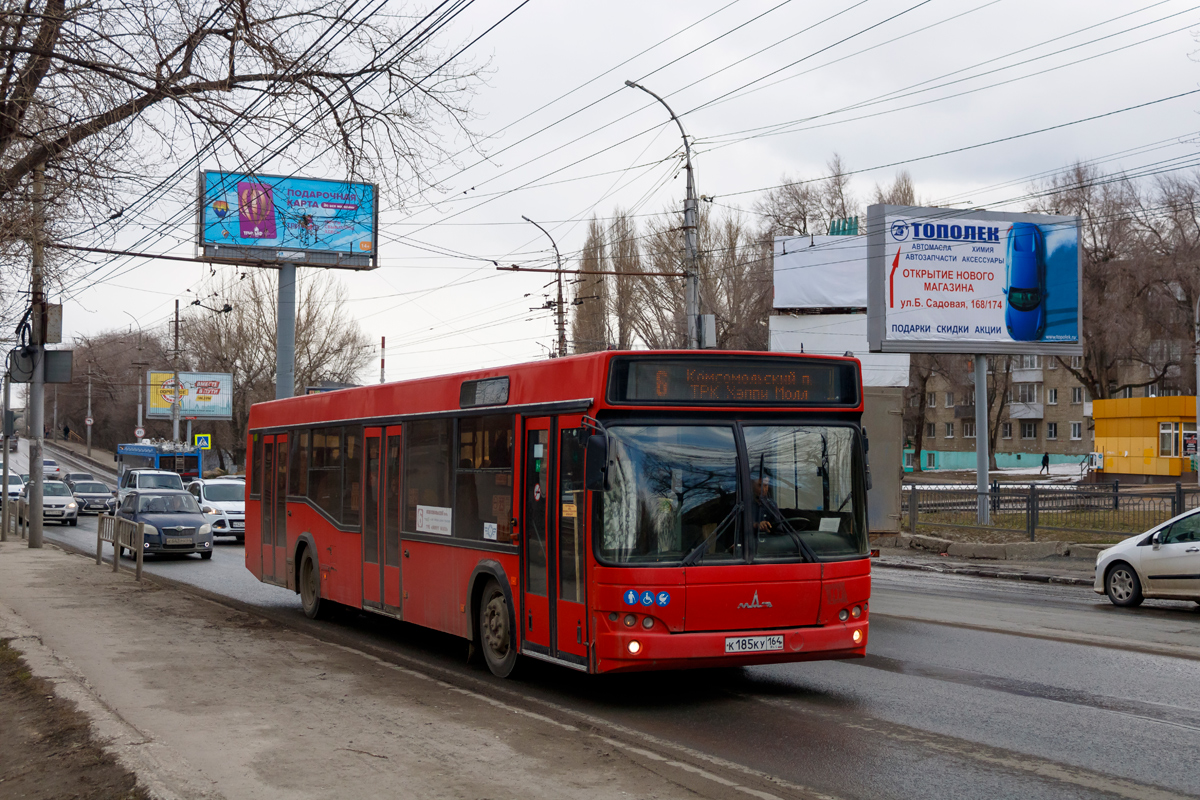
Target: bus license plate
(753,644)
(179,540)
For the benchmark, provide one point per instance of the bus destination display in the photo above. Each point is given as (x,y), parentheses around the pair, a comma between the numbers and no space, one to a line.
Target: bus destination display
(773,382)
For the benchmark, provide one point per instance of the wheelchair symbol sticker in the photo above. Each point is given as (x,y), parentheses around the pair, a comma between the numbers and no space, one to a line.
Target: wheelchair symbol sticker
(647,599)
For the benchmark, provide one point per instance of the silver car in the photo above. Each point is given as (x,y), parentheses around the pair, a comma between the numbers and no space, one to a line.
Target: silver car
(58,504)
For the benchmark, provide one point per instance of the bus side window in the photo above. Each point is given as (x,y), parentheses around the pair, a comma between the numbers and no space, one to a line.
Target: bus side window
(255,476)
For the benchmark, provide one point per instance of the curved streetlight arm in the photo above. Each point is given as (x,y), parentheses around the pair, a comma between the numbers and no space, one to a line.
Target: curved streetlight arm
(562,328)
(687,148)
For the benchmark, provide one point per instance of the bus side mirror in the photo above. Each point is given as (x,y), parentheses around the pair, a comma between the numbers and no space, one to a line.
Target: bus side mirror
(595,463)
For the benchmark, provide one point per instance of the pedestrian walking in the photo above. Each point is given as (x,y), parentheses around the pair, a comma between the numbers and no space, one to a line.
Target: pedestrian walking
(1045,464)
(66,433)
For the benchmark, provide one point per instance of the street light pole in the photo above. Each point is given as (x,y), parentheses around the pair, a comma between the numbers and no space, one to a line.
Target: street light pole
(562,327)
(689,230)
(175,390)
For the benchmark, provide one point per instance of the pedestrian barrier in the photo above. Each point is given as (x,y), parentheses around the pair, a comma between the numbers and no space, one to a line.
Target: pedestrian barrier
(121,533)
(1081,509)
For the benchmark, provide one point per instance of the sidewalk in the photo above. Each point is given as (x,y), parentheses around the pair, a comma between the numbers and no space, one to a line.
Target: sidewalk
(1051,569)
(101,459)
(204,701)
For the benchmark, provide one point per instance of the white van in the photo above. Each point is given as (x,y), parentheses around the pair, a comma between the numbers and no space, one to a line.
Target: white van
(148,479)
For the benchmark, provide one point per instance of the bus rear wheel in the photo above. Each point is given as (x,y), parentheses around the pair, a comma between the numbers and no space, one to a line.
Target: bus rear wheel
(310,588)
(496,634)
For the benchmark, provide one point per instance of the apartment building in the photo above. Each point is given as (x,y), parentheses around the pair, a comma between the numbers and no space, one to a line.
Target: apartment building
(1045,410)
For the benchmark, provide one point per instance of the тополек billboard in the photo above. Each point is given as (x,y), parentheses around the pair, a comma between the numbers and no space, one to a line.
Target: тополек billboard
(950,281)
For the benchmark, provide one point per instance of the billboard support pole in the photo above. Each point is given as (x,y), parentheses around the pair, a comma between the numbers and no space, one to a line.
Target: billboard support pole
(981,439)
(285,335)
(36,404)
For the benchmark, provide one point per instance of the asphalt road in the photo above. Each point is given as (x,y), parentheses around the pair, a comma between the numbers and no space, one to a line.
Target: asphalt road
(973,688)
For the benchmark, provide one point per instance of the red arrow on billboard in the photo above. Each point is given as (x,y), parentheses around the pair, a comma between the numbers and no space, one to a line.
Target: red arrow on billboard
(892,279)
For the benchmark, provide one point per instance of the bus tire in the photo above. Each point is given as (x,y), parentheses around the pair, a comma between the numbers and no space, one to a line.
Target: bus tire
(497,639)
(310,588)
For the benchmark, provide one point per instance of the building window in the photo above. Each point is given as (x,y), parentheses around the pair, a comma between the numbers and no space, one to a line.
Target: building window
(1168,439)
(930,430)
(1152,390)
(930,460)
(1076,362)
(1006,430)
(1051,430)
(1052,397)
(949,399)
(968,430)
(1031,362)
(1028,430)
(1027,392)
(969,399)
(1076,431)
(1052,363)
(931,400)
(949,430)
(1077,395)
(908,460)
(913,401)
(1124,394)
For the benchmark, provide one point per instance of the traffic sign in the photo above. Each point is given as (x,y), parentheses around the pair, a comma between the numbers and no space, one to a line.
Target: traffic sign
(88,421)
(204,441)
(139,433)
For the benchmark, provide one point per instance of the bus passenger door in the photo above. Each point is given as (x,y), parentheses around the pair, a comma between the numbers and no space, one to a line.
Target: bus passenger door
(392,577)
(536,548)
(372,574)
(571,542)
(281,511)
(267,481)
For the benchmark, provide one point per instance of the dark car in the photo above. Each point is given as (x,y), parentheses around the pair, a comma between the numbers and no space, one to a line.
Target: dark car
(72,478)
(94,496)
(1025,314)
(174,522)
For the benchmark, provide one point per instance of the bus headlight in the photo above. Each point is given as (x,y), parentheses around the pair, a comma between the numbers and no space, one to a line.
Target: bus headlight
(856,612)
(635,647)
(843,615)
(857,636)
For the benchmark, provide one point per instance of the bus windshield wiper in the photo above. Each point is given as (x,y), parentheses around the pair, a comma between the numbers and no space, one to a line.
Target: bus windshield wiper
(697,553)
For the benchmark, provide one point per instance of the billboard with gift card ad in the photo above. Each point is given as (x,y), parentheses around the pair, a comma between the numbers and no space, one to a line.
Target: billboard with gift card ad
(265,218)
(960,281)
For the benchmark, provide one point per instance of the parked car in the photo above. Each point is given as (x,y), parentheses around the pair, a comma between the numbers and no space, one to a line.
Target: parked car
(14,443)
(1162,562)
(51,470)
(94,496)
(58,504)
(71,478)
(174,522)
(1025,311)
(24,477)
(135,479)
(223,500)
(15,485)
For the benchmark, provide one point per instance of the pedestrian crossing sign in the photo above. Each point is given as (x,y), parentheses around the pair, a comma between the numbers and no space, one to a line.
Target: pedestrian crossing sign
(204,441)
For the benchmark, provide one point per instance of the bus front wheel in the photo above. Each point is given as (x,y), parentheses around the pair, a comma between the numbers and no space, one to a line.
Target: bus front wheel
(496,634)
(310,588)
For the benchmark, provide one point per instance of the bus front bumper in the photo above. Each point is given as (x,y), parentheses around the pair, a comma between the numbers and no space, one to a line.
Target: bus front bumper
(636,650)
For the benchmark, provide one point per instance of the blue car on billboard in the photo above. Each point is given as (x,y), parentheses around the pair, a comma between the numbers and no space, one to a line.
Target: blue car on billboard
(1025,312)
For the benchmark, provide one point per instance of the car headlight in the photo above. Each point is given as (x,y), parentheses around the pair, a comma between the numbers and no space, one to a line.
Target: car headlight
(205,529)
(210,510)
(70,506)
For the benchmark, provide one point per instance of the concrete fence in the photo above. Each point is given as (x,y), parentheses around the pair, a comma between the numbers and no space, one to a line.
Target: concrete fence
(121,533)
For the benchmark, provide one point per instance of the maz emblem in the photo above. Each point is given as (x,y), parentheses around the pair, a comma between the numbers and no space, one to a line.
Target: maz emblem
(755,603)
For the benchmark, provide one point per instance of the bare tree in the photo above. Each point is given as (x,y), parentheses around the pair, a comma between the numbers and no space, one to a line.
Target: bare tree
(902,192)
(921,369)
(589,323)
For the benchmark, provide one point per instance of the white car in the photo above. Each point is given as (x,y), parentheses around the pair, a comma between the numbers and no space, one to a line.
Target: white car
(51,470)
(15,485)
(1162,562)
(223,500)
(139,479)
(58,504)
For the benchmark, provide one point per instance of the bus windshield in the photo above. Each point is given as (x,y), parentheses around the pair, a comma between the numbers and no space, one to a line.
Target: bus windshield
(674,492)
(804,484)
(674,496)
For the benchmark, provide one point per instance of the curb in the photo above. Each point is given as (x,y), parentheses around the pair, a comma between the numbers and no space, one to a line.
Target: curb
(1034,577)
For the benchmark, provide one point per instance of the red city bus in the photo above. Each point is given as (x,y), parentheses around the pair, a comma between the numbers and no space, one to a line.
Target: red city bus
(607,512)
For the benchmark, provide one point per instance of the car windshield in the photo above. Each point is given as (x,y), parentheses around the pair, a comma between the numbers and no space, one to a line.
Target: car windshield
(49,463)
(674,492)
(55,489)
(79,476)
(14,479)
(168,504)
(1024,299)
(225,492)
(163,481)
(806,491)
(92,488)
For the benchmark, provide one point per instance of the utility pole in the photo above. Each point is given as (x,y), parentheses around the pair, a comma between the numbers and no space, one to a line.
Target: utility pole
(54,415)
(4,442)
(175,391)
(689,230)
(382,352)
(285,334)
(37,387)
(89,414)
(562,325)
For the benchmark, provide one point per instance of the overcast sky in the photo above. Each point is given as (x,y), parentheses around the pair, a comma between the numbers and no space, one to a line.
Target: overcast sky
(877,81)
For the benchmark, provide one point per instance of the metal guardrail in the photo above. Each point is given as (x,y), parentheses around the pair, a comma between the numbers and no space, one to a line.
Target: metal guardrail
(121,533)
(1061,508)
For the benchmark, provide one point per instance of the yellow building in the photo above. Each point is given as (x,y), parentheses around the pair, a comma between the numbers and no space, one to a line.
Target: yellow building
(1153,438)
